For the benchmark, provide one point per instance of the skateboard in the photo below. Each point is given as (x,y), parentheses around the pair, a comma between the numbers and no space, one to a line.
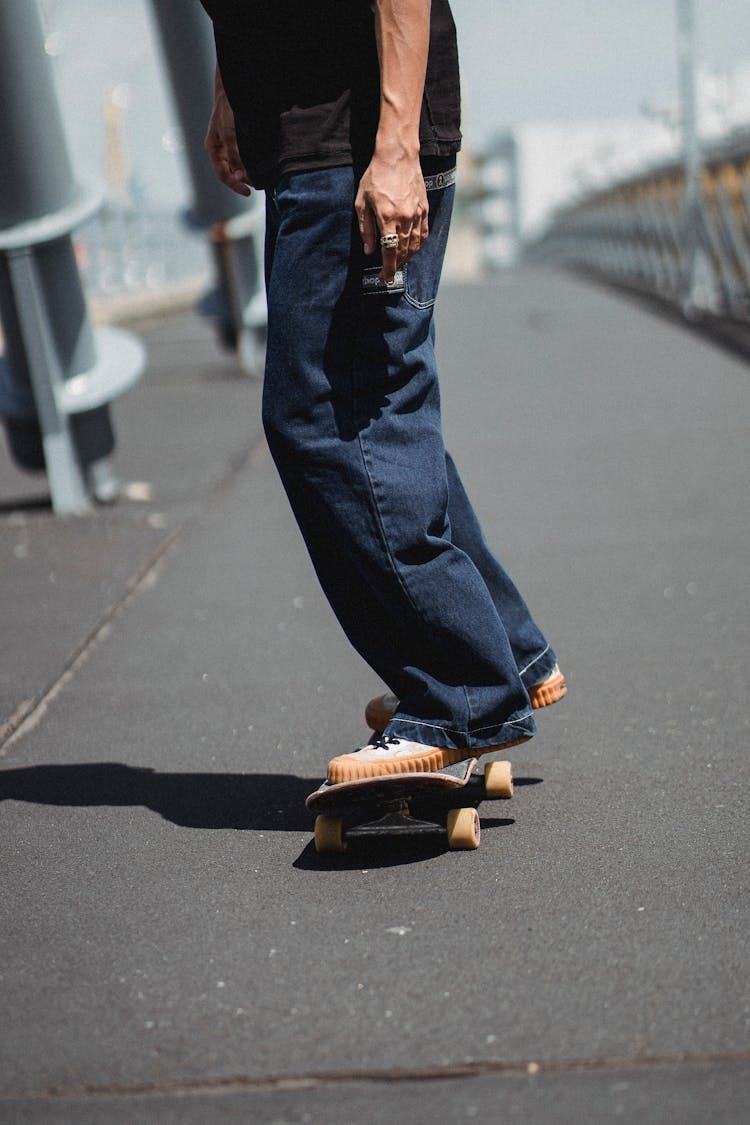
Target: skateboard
(409,804)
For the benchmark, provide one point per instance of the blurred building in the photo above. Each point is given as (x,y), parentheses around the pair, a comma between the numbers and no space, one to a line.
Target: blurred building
(529,170)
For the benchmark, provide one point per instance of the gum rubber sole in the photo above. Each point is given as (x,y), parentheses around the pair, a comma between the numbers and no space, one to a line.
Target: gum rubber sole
(432,759)
(551,691)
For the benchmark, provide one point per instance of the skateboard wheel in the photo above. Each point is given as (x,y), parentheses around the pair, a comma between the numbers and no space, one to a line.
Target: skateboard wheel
(463,829)
(329,834)
(498,779)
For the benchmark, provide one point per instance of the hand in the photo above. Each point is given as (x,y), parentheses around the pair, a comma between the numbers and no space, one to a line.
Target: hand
(392,200)
(221,146)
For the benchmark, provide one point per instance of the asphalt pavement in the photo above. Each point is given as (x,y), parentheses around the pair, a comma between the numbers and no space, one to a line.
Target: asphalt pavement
(172,683)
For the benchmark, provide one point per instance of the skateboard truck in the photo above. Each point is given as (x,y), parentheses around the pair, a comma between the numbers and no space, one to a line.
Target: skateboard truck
(443,802)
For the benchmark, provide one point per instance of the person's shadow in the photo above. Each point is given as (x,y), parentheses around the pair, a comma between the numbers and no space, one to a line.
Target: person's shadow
(191,800)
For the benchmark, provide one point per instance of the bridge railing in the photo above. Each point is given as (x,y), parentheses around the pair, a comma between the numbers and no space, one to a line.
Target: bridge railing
(648,233)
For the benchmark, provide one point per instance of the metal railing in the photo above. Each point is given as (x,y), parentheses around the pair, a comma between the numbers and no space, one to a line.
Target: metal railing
(126,250)
(648,234)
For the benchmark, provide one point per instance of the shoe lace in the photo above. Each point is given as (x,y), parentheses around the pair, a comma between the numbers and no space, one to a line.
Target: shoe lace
(383,741)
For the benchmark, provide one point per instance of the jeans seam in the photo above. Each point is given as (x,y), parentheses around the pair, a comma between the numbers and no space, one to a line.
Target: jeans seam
(397,574)
(507,723)
(424,306)
(468,707)
(381,525)
(421,305)
(470,729)
(536,660)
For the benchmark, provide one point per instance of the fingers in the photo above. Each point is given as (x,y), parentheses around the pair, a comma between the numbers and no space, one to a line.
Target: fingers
(229,168)
(368,228)
(239,181)
(417,237)
(390,256)
(230,171)
(392,205)
(234,178)
(222,149)
(370,233)
(410,242)
(237,177)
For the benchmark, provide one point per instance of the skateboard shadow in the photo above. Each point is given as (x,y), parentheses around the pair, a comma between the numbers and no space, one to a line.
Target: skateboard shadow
(271,802)
(240,801)
(384,851)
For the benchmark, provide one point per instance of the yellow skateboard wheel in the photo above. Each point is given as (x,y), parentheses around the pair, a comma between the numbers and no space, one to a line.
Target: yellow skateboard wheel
(329,834)
(498,779)
(463,829)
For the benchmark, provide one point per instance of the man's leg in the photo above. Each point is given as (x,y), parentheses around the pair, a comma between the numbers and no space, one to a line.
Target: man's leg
(534,658)
(351,409)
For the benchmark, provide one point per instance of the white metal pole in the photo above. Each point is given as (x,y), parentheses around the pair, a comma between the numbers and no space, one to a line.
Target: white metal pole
(691,154)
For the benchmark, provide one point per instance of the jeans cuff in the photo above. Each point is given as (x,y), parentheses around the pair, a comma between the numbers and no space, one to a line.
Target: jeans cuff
(518,727)
(539,668)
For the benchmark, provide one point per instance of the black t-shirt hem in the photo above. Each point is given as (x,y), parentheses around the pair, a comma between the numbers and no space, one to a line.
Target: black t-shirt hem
(434,156)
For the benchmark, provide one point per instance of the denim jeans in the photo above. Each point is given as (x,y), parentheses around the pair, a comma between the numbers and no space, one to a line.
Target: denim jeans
(351,412)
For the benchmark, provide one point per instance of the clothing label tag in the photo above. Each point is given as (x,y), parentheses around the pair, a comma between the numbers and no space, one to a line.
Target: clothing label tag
(373,286)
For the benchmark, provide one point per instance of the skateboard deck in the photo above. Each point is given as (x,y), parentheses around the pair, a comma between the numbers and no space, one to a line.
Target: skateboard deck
(443,802)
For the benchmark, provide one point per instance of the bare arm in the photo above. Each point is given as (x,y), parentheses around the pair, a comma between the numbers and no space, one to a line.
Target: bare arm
(391,197)
(221,142)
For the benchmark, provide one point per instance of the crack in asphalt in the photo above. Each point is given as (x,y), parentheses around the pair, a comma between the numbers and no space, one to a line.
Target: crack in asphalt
(327,1079)
(31,712)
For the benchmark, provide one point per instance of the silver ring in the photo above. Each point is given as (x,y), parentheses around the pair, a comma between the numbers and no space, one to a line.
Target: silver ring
(389,241)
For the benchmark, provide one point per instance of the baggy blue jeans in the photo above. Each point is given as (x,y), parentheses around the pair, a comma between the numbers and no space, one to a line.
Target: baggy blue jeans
(351,413)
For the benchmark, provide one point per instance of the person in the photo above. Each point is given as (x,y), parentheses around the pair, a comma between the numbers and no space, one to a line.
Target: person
(347,116)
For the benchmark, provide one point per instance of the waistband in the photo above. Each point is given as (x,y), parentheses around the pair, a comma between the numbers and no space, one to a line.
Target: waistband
(440,180)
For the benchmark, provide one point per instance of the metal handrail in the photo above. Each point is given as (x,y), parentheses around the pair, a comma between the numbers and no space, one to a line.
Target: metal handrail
(642,232)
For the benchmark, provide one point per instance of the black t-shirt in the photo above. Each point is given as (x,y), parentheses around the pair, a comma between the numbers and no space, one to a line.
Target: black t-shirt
(303,80)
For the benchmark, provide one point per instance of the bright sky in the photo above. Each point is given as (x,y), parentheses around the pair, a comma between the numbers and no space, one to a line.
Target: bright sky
(521,60)
(526,59)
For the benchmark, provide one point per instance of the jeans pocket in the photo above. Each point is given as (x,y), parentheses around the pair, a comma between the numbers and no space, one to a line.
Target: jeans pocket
(422,273)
